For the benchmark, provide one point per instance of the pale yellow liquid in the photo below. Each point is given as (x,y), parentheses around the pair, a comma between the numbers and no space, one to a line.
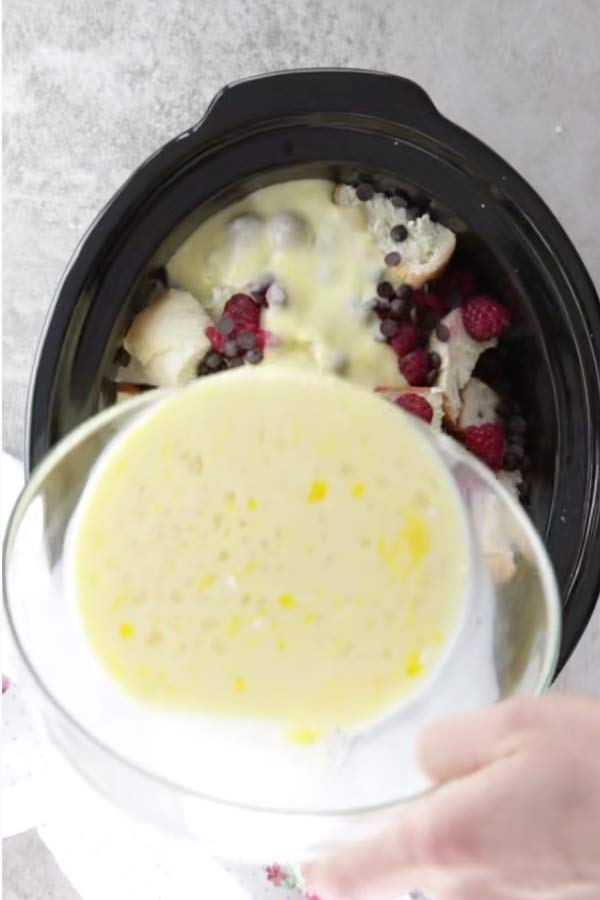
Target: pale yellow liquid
(275,545)
(326,274)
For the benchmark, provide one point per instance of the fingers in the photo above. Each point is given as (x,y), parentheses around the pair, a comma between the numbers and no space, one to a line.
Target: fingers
(464,744)
(432,836)
(331,883)
(418,882)
(454,843)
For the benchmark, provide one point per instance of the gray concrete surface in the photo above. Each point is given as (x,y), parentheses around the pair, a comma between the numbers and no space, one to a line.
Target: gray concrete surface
(93,86)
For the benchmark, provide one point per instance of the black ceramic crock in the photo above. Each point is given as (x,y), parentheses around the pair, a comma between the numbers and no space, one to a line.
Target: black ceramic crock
(340,124)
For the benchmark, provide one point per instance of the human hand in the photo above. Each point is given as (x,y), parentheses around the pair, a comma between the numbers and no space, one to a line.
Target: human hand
(517,818)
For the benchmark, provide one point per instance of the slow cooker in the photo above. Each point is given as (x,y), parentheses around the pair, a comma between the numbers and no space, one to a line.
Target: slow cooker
(345,125)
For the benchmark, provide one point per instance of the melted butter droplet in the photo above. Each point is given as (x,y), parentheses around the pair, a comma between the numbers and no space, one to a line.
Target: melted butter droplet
(126,631)
(303,736)
(417,537)
(413,665)
(205,582)
(318,492)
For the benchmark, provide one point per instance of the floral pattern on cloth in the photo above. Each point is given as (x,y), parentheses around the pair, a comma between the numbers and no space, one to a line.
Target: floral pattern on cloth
(286,877)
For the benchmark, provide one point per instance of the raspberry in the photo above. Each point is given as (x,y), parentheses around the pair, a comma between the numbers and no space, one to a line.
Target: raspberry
(486,442)
(406,340)
(484,319)
(244,312)
(415,366)
(261,338)
(217,340)
(429,301)
(417,405)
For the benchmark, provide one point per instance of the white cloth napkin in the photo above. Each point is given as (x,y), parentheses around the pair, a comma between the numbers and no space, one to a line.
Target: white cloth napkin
(104,853)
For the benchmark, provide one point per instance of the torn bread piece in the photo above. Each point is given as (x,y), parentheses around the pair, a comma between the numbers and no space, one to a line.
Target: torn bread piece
(494,539)
(459,355)
(500,541)
(133,374)
(425,251)
(512,481)
(168,339)
(479,404)
(433,395)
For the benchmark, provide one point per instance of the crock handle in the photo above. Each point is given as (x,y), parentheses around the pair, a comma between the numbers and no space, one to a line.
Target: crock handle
(317,92)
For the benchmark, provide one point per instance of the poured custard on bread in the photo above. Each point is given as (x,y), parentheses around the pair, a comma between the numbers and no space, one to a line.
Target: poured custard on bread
(324,260)
(275,545)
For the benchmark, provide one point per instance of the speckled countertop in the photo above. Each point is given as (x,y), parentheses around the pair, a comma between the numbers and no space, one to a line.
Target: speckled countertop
(92,87)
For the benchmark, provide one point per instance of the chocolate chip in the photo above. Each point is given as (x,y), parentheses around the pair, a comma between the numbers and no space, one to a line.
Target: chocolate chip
(431,377)
(122,357)
(389,328)
(230,349)
(510,462)
(235,362)
(400,200)
(517,439)
(399,233)
(412,213)
(365,191)
(385,289)
(254,356)
(202,369)
(404,291)
(276,295)
(517,425)
(504,409)
(246,340)
(442,332)
(214,361)
(159,275)
(392,259)
(434,359)
(515,450)
(397,307)
(224,325)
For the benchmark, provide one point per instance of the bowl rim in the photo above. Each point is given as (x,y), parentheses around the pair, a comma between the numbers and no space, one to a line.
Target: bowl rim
(138,404)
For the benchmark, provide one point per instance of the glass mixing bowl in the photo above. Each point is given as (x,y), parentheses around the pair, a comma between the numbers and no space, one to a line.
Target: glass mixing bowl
(508,645)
